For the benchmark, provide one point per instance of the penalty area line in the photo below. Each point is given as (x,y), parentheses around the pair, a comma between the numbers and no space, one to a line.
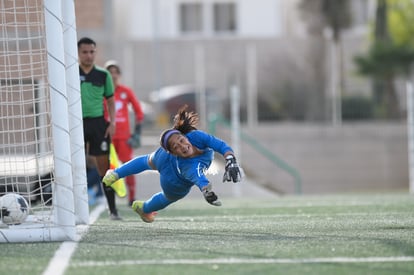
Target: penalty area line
(246,261)
(61,258)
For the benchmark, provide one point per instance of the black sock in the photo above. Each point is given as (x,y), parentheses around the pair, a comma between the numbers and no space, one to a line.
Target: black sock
(110,198)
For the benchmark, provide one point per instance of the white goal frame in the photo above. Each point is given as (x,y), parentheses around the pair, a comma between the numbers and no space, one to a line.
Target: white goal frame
(69,186)
(410,131)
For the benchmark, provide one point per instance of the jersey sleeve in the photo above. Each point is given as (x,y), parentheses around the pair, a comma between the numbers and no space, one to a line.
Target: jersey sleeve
(204,140)
(139,113)
(109,86)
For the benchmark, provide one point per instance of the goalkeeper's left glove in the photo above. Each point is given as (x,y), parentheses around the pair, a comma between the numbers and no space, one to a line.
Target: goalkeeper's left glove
(135,140)
(233,170)
(210,196)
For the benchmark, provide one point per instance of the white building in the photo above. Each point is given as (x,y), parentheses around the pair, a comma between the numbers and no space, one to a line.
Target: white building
(179,19)
(266,42)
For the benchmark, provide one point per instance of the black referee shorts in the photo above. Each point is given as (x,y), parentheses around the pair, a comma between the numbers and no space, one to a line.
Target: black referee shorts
(94,131)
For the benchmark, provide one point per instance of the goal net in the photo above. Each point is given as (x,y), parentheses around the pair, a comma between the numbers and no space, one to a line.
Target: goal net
(41,133)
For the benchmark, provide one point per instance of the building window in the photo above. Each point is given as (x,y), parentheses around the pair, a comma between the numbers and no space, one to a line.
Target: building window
(224,17)
(191,17)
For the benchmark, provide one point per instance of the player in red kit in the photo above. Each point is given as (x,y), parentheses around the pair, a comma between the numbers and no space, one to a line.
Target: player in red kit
(123,141)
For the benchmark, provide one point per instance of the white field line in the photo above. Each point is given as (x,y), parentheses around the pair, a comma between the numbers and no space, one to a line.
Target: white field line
(60,260)
(245,261)
(306,215)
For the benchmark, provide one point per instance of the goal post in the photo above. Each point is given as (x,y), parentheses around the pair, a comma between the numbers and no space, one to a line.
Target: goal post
(41,132)
(410,131)
(75,113)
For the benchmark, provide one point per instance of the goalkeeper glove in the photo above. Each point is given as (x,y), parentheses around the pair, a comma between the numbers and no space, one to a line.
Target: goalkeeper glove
(210,196)
(110,178)
(233,170)
(135,140)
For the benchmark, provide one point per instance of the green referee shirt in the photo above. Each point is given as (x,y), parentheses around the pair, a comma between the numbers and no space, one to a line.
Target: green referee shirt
(95,85)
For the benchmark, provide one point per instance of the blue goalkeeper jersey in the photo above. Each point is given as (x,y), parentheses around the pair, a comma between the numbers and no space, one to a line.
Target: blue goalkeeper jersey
(178,175)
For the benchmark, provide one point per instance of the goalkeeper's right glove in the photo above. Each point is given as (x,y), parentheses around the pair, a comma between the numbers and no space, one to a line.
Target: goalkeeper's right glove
(210,196)
(110,178)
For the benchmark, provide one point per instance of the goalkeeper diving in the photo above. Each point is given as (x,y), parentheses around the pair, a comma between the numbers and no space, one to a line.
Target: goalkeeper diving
(182,160)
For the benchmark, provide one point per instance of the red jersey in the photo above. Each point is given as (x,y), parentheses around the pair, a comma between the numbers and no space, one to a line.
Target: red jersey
(124,96)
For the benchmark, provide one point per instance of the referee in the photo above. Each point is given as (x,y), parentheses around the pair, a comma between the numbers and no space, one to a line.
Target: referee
(96,88)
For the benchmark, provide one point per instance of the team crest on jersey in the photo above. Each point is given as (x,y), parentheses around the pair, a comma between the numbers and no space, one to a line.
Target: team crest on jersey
(104,146)
(123,95)
(118,105)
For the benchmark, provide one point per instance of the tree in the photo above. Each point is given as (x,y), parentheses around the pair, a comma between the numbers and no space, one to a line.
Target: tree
(401,18)
(391,53)
(334,16)
(337,16)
